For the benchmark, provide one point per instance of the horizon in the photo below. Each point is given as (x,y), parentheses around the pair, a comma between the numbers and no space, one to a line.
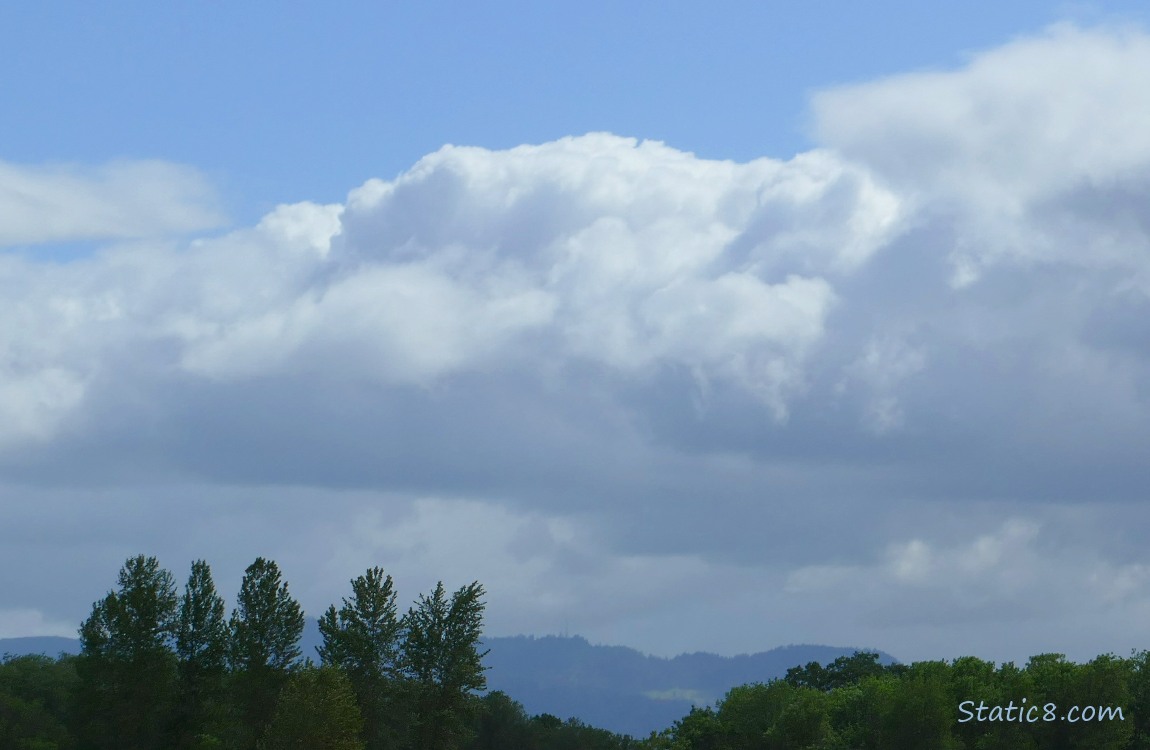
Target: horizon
(310,632)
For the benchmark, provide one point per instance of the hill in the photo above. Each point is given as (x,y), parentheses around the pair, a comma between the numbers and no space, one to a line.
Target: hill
(613,687)
(624,690)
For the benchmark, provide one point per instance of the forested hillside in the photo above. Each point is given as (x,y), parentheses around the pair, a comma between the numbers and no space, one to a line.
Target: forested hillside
(626,691)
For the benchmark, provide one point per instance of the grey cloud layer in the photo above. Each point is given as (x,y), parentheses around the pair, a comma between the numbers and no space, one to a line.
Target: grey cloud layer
(885,367)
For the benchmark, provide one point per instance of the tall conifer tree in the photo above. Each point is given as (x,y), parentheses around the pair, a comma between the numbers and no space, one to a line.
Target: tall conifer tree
(442,659)
(127,668)
(265,630)
(363,638)
(201,650)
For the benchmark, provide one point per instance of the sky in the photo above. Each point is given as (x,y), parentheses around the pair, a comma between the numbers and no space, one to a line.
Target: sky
(682,328)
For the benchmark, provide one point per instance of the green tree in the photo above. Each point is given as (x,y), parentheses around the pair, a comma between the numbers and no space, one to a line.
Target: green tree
(126,667)
(843,671)
(501,724)
(34,695)
(549,733)
(849,670)
(1139,687)
(202,652)
(972,679)
(364,639)
(265,629)
(918,712)
(812,675)
(1053,678)
(856,711)
(747,712)
(317,709)
(804,724)
(698,730)
(25,724)
(442,661)
(1010,684)
(1103,682)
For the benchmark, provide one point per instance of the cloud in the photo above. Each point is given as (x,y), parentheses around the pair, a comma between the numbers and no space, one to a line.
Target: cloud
(904,372)
(122,200)
(20,623)
(1018,589)
(596,250)
(553,571)
(1034,152)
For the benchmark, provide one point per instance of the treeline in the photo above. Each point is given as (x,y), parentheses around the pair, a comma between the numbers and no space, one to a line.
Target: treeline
(856,703)
(160,670)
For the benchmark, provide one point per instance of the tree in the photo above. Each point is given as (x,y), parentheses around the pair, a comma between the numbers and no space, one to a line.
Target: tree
(804,724)
(1009,684)
(857,711)
(1105,681)
(265,630)
(972,679)
(747,712)
(442,660)
(548,732)
(812,675)
(317,709)
(34,693)
(1139,687)
(501,724)
(1054,681)
(363,638)
(919,712)
(202,652)
(126,666)
(698,730)
(843,671)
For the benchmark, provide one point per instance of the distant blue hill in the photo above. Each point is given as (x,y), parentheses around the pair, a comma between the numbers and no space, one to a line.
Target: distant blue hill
(49,645)
(613,687)
(623,690)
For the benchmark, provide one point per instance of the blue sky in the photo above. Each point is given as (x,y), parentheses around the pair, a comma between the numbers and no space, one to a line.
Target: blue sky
(282,102)
(833,316)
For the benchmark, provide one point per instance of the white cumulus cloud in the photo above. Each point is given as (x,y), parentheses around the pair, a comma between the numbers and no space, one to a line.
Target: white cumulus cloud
(598,249)
(1036,151)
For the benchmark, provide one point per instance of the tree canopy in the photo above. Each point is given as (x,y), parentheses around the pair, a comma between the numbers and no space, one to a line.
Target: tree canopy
(158,670)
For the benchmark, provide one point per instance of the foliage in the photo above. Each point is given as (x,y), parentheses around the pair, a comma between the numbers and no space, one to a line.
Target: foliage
(34,701)
(500,724)
(265,629)
(698,730)
(126,667)
(201,652)
(156,671)
(364,638)
(317,709)
(549,732)
(843,671)
(749,711)
(443,664)
(1139,690)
